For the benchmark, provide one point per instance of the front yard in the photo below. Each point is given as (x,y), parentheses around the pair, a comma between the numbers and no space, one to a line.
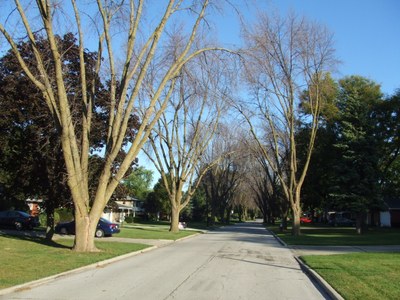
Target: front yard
(357,275)
(152,232)
(366,276)
(339,236)
(25,259)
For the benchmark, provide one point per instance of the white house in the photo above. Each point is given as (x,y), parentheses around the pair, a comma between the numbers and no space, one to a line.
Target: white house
(121,208)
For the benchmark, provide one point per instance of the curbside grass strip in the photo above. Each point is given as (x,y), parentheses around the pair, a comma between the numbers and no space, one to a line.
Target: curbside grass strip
(31,284)
(319,280)
(329,290)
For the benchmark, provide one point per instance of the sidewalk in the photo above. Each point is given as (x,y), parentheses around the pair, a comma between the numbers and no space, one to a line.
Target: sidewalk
(328,250)
(41,234)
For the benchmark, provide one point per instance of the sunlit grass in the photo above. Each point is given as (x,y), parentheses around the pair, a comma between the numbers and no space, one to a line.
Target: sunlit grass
(158,233)
(25,259)
(361,275)
(343,236)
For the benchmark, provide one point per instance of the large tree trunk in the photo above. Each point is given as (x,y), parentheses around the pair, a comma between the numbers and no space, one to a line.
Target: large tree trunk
(84,234)
(174,227)
(296,222)
(296,209)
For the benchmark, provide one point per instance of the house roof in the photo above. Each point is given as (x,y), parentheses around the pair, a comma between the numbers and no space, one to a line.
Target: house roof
(127,198)
(121,206)
(392,203)
(34,200)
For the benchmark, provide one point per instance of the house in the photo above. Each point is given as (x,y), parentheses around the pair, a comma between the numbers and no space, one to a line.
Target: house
(391,217)
(34,206)
(120,208)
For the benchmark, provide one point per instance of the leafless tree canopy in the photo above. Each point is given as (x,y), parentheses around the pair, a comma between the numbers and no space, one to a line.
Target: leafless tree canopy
(285,58)
(134,40)
(187,126)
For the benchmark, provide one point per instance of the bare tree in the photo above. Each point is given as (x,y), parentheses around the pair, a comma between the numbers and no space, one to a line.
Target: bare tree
(124,71)
(285,57)
(221,180)
(265,188)
(185,129)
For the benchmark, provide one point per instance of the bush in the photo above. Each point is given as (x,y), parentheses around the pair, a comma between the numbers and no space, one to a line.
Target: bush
(129,219)
(43,219)
(60,215)
(63,215)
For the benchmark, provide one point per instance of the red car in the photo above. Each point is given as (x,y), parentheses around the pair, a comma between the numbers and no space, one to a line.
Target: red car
(305,220)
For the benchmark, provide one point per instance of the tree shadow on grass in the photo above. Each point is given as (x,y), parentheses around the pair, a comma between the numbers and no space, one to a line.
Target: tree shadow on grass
(31,237)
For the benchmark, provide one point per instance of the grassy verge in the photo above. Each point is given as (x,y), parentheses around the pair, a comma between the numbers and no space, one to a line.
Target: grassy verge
(25,259)
(339,236)
(165,225)
(158,233)
(361,275)
(356,275)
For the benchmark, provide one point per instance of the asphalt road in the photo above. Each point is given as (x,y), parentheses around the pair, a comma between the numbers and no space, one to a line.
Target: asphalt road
(235,262)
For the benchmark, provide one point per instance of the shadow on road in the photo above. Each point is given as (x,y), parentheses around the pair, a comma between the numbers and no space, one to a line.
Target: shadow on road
(252,232)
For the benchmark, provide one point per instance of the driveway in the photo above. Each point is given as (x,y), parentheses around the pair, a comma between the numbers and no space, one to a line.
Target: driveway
(237,262)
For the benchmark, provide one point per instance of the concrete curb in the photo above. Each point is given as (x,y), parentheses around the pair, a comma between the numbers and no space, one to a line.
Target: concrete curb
(329,290)
(277,238)
(31,284)
(319,280)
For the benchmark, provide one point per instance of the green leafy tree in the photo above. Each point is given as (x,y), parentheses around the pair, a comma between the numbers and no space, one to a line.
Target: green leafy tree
(31,154)
(387,117)
(157,203)
(357,150)
(356,187)
(199,206)
(138,182)
(316,189)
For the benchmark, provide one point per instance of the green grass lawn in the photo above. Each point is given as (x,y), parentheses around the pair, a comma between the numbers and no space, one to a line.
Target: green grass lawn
(356,275)
(25,259)
(343,236)
(166,225)
(361,275)
(157,232)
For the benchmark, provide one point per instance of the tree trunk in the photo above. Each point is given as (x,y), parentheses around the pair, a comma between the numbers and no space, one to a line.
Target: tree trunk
(174,227)
(50,223)
(228,214)
(360,224)
(296,209)
(265,217)
(296,223)
(84,234)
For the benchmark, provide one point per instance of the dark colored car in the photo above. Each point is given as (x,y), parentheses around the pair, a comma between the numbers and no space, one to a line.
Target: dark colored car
(18,220)
(341,219)
(104,228)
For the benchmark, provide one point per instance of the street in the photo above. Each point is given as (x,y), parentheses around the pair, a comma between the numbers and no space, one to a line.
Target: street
(236,262)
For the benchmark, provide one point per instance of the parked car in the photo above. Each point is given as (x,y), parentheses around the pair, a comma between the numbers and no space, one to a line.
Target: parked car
(18,220)
(104,228)
(341,219)
(305,220)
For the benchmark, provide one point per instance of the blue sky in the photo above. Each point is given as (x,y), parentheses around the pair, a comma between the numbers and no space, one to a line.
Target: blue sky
(367,32)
